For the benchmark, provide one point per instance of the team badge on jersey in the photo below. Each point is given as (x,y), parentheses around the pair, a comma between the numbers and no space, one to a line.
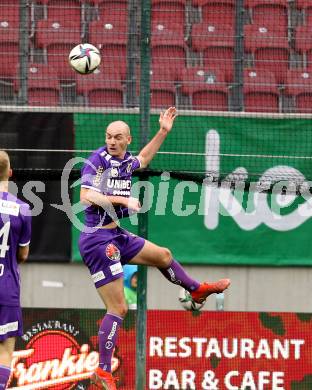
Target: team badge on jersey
(112,252)
(114,172)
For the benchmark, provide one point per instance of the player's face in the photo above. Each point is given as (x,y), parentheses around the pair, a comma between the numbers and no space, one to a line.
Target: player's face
(117,140)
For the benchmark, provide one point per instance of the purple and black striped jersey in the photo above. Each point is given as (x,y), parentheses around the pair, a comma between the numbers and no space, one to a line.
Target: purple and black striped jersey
(110,176)
(15,231)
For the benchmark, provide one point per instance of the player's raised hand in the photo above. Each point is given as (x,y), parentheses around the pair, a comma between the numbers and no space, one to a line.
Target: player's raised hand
(167,118)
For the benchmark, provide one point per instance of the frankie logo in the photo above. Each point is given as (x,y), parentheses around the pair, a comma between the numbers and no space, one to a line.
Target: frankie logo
(223,200)
(53,359)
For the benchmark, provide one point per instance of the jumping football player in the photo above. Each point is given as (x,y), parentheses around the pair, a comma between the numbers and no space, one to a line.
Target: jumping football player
(105,247)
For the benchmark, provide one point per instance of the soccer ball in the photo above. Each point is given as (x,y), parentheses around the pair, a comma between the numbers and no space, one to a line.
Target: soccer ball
(84,58)
(187,302)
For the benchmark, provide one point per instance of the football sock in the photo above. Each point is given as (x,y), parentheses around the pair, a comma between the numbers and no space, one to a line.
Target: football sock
(4,376)
(107,339)
(176,274)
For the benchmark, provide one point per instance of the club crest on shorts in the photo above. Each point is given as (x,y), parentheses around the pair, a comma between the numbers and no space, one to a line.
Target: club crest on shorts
(112,252)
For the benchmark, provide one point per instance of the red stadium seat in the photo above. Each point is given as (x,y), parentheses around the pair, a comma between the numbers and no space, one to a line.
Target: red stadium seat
(63,11)
(43,97)
(259,80)
(303,43)
(115,13)
(106,32)
(163,92)
(298,81)
(169,14)
(269,46)
(306,7)
(217,12)
(43,92)
(268,13)
(57,40)
(206,88)
(215,42)
(260,89)
(180,2)
(43,86)
(101,89)
(168,49)
(9,59)
(40,76)
(111,38)
(201,3)
(9,21)
(299,86)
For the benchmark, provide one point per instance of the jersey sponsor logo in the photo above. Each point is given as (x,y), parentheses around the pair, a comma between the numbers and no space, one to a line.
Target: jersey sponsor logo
(9,327)
(116,268)
(9,207)
(98,276)
(112,252)
(114,163)
(121,192)
(97,179)
(119,184)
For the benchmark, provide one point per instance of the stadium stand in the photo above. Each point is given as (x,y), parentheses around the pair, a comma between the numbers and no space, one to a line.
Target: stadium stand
(111,39)
(268,45)
(56,41)
(303,44)
(206,88)
(101,86)
(299,87)
(163,91)
(170,14)
(216,12)
(168,49)
(268,13)
(215,44)
(305,6)
(260,91)
(9,39)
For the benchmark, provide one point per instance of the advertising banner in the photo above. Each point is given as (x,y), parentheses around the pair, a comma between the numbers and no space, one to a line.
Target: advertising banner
(229,351)
(59,350)
(207,224)
(206,350)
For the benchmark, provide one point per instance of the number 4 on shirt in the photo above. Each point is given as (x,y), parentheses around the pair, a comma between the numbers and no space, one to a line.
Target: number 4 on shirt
(4,247)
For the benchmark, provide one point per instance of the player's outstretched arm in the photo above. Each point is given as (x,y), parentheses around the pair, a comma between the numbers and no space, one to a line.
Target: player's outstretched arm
(90,197)
(166,120)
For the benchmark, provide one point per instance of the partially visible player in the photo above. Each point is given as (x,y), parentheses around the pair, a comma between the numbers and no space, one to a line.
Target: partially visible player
(15,232)
(105,247)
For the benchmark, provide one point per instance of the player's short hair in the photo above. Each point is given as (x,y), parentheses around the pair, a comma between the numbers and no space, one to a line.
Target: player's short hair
(4,165)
